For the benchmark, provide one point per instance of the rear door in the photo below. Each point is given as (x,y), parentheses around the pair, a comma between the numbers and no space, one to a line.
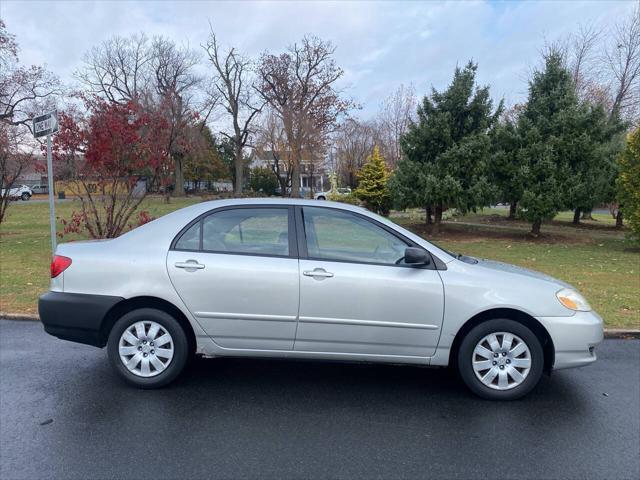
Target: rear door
(236,269)
(356,295)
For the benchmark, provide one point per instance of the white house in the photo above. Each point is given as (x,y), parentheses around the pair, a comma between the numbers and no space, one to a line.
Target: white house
(314,175)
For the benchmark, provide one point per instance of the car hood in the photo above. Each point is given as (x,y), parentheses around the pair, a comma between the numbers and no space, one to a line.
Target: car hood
(514,269)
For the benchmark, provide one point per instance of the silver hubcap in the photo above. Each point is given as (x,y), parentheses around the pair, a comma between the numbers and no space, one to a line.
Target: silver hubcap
(501,360)
(146,349)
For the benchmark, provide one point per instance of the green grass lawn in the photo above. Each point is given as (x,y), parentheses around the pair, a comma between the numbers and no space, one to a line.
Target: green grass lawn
(594,257)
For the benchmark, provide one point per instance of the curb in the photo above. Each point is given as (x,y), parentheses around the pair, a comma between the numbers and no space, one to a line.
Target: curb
(19,316)
(619,333)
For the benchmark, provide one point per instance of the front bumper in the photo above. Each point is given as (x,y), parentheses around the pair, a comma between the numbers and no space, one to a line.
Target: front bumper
(574,338)
(74,316)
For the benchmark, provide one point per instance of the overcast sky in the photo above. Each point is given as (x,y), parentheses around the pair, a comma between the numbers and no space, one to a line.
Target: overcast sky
(379,44)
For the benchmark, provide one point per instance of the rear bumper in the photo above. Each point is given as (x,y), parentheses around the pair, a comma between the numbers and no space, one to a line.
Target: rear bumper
(74,316)
(574,338)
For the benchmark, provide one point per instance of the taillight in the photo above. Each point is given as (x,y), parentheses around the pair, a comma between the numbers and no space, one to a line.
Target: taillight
(59,264)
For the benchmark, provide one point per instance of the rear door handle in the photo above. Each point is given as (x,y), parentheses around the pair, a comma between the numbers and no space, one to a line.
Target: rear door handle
(317,272)
(189,265)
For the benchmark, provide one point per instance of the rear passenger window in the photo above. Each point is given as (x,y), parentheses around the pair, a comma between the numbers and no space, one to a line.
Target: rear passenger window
(263,231)
(190,240)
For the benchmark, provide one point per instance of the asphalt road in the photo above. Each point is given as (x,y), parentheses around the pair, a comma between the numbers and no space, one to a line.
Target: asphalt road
(63,414)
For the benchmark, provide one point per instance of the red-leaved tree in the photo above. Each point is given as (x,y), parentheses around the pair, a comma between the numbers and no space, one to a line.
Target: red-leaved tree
(117,150)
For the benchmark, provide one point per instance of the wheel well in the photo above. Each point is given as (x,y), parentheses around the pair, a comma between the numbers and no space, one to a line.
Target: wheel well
(512,314)
(126,306)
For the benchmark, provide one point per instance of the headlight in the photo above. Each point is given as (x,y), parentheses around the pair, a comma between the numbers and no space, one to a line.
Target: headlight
(573,300)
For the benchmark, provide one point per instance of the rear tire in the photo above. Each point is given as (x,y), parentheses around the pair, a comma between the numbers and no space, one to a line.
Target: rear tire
(152,343)
(321,197)
(500,359)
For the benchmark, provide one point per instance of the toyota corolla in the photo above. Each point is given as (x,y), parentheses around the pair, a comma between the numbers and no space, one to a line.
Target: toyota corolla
(296,279)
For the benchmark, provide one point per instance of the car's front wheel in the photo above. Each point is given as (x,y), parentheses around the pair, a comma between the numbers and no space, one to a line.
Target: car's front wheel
(25,196)
(148,348)
(501,359)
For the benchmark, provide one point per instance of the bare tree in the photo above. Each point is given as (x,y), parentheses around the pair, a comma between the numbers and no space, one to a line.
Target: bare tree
(581,60)
(622,63)
(24,91)
(271,143)
(16,155)
(156,73)
(300,86)
(118,69)
(175,82)
(395,115)
(233,77)
(354,141)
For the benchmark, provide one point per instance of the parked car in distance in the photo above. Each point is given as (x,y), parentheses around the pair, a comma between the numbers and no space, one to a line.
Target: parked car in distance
(21,192)
(40,188)
(339,191)
(296,278)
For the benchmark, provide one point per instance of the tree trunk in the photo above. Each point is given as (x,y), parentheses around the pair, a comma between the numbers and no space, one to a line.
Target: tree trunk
(513,207)
(295,180)
(239,167)
(576,216)
(429,212)
(178,190)
(535,228)
(619,217)
(437,220)
(586,215)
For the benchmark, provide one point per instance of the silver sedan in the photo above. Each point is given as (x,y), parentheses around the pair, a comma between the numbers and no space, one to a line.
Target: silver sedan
(299,279)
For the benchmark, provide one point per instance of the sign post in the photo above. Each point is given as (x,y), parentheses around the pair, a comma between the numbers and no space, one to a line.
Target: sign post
(46,125)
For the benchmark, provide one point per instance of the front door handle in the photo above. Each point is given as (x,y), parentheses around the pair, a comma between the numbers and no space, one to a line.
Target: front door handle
(189,265)
(318,273)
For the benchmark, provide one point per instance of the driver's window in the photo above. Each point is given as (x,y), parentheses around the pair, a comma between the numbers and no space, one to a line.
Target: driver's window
(335,235)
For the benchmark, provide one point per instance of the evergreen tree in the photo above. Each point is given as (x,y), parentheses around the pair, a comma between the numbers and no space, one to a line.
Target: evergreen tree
(505,166)
(629,183)
(372,184)
(591,153)
(559,151)
(446,151)
(264,181)
(548,127)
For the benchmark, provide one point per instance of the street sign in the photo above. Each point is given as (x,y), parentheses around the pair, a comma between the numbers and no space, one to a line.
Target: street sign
(45,124)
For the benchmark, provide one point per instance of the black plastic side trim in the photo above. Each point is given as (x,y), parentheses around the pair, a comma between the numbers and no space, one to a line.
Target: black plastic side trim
(75,316)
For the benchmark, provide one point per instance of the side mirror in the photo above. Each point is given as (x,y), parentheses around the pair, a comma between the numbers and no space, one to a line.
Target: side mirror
(416,256)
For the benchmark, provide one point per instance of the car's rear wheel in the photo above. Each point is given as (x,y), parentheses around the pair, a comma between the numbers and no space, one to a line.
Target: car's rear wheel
(148,348)
(25,196)
(501,359)
(322,197)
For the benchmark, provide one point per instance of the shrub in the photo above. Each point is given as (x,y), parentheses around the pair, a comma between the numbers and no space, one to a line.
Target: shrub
(372,186)
(263,180)
(629,183)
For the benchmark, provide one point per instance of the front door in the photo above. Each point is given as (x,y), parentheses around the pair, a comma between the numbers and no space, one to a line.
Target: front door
(236,270)
(357,296)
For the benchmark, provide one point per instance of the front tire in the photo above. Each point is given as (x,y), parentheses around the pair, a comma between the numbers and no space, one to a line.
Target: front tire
(148,348)
(500,359)
(25,196)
